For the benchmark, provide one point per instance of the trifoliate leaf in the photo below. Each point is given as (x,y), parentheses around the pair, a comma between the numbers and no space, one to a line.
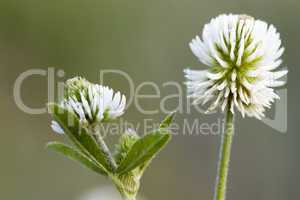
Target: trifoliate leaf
(144,150)
(77,156)
(167,121)
(78,135)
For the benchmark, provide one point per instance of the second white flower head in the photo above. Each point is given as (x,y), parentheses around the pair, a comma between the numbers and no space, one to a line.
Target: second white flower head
(91,103)
(242,54)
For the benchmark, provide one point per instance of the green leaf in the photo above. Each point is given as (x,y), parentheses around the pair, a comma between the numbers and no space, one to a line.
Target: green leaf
(78,135)
(126,141)
(77,156)
(144,150)
(167,121)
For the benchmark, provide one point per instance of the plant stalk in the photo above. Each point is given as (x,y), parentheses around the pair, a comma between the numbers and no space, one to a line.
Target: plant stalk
(224,158)
(100,141)
(126,186)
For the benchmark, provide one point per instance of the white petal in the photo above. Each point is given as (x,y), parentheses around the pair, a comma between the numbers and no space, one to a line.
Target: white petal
(275,83)
(279,74)
(86,106)
(56,127)
(222,85)
(214,76)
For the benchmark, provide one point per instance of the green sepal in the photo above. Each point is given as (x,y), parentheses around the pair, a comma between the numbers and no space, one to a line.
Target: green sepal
(76,155)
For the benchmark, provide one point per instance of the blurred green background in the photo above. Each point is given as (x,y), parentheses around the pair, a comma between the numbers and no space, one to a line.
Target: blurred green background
(149,41)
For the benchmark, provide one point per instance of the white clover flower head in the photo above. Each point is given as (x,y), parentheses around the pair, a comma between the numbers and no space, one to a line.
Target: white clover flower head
(242,54)
(91,103)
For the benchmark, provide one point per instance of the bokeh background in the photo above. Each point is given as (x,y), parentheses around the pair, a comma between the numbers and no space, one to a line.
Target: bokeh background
(149,41)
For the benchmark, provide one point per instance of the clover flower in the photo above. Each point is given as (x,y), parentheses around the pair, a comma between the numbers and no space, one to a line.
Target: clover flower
(242,54)
(92,103)
(78,116)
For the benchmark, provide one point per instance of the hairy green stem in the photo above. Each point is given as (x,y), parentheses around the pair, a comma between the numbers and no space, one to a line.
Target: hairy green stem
(127,186)
(99,139)
(224,159)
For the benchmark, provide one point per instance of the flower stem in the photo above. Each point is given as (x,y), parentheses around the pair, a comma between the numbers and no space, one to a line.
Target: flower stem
(127,186)
(225,151)
(99,139)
